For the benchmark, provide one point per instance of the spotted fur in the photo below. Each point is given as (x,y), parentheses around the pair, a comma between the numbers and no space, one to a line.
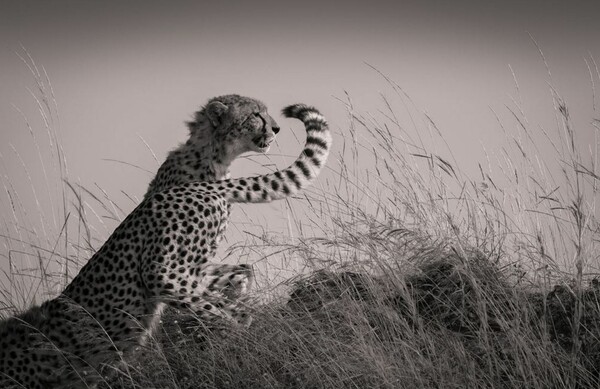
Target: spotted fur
(160,254)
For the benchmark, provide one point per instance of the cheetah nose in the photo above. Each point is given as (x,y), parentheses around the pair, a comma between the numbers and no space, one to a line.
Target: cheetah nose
(275,129)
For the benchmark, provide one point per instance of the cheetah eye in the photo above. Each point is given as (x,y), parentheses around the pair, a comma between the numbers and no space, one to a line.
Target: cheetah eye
(264,123)
(255,120)
(252,116)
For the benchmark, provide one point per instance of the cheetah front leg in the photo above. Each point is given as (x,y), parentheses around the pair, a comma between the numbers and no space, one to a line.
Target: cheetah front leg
(209,289)
(231,280)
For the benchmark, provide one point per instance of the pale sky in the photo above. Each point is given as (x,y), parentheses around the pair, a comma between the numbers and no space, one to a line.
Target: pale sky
(122,71)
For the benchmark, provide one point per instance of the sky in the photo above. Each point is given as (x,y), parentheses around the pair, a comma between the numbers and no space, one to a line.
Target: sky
(126,75)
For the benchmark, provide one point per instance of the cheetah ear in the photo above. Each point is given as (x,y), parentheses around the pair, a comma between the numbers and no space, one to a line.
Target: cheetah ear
(214,112)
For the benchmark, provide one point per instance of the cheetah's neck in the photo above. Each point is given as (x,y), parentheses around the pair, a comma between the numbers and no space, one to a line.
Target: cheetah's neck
(208,160)
(197,160)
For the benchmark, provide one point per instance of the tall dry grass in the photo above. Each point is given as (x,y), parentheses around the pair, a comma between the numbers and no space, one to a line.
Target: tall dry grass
(416,273)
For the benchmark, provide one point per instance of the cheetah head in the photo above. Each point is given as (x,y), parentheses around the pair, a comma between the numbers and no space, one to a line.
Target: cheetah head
(241,124)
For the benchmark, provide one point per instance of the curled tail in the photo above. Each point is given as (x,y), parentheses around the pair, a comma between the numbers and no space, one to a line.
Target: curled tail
(287,182)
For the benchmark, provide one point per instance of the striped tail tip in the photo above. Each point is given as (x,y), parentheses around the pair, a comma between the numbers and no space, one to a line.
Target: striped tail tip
(298,111)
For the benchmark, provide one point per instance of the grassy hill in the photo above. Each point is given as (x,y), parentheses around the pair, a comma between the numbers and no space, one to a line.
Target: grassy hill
(416,274)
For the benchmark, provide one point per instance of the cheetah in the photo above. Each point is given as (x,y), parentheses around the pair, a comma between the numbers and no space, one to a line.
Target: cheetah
(159,255)
(227,126)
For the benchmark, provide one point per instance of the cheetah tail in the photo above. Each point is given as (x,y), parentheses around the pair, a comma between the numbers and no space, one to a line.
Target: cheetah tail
(287,182)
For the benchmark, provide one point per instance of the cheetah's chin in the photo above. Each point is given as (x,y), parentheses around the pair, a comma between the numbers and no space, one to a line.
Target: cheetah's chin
(262,146)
